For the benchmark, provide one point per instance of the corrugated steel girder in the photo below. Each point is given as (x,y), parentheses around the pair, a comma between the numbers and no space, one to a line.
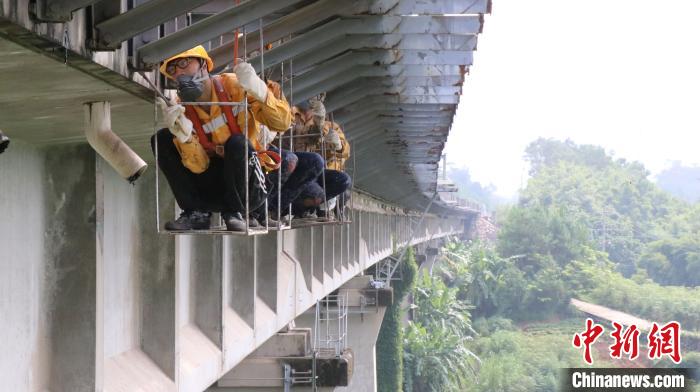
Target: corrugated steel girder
(309,59)
(359,91)
(311,86)
(288,25)
(348,33)
(112,32)
(57,11)
(430,7)
(210,28)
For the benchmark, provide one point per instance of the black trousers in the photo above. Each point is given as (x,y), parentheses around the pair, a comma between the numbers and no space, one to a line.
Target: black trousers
(299,169)
(311,196)
(220,188)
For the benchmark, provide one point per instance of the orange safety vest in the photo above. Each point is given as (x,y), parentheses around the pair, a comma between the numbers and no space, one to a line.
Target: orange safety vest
(204,139)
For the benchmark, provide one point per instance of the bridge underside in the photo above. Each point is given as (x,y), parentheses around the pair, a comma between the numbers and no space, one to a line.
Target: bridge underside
(42,94)
(392,70)
(93,297)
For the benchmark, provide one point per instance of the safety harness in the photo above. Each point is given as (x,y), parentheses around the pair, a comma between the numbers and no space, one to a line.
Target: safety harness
(270,160)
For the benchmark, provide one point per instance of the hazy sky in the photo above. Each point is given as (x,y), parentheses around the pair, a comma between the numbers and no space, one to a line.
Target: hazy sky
(622,74)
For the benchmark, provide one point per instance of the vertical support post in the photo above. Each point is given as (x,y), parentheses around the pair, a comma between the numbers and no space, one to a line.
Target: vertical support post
(287,377)
(245,146)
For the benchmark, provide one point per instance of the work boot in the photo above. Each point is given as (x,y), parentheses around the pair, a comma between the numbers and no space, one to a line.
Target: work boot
(234,221)
(329,215)
(275,223)
(190,220)
(4,142)
(272,219)
(309,214)
(255,223)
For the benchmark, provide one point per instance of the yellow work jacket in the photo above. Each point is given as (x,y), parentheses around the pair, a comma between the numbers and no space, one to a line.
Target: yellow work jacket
(335,159)
(274,113)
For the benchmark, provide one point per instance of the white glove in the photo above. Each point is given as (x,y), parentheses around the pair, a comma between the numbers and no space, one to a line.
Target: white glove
(330,206)
(318,111)
(332,139)
(266,136)
(174,117)
(250,81)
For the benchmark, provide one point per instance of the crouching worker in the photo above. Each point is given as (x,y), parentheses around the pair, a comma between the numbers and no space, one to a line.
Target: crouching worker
(203,151)
(337,151)
(308,167)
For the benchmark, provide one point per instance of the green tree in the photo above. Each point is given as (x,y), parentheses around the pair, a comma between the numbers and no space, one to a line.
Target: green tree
(674,261)
(541,241)
(537,234)
(612,198)
(390,341)
(435,303)
(548,152)
(477,271)
(436,359)
(436,355)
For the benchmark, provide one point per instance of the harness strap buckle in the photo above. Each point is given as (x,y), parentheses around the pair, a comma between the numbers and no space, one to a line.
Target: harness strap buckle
(215,123)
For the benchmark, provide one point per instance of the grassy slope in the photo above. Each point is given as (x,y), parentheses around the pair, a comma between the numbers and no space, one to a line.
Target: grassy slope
(528,357)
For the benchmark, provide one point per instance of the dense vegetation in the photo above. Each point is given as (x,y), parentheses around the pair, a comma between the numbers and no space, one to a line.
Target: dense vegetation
(626,216)
(587,226)
(527,359)
(639,296)
(389,349)
(436,352)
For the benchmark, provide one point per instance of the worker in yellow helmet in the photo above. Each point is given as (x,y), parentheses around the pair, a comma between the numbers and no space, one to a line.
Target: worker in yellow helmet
(202,150)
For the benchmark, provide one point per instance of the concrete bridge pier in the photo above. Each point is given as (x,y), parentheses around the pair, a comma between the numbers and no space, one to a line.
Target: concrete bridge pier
(292,350)
(431,257)
(364,322)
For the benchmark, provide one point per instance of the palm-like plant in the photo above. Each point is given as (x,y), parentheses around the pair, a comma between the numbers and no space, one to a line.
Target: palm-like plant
(476,271)
(436,303)
(437,359)
(436,355)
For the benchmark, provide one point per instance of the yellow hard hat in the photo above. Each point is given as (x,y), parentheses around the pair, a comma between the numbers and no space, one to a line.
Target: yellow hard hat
(198,51)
